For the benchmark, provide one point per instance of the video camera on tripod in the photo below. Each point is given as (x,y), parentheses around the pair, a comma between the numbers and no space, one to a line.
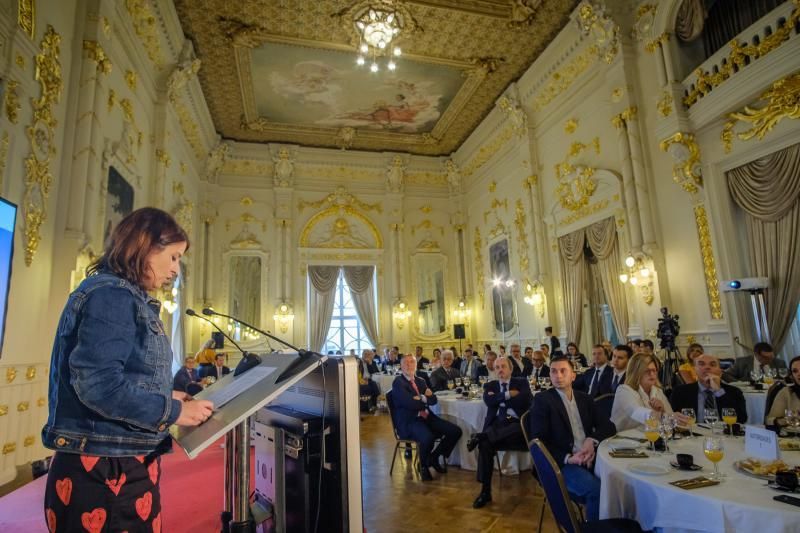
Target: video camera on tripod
(668,329)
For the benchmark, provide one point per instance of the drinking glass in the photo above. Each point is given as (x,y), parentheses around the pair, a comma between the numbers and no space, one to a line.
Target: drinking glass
(689,413)
(769,376)
(729,417)
(711,417)
(756,375)
(546,382)
(715,451)
(467,381)
(783,372)
(482,380)
(793,419)
(450,384)
(665,429)
(458,382)
(651,429)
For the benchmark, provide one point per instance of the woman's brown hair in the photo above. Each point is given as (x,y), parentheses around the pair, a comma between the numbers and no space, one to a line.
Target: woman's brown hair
(637,367)
(133,239)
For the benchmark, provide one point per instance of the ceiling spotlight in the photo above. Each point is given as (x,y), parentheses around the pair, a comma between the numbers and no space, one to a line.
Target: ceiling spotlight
(391,65)
(373,67)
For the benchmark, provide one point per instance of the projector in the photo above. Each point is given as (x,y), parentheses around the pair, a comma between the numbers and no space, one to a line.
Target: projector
(744,284)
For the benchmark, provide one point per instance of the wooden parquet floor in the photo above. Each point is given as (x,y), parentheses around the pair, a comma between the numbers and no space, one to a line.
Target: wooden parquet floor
(402,503)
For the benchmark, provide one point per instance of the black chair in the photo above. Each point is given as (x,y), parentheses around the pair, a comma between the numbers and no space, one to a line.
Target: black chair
(604,403)
(405,443)
(560,504)
(523,421)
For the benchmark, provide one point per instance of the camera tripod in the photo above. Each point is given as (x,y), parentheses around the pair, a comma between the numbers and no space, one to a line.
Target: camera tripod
(671,360)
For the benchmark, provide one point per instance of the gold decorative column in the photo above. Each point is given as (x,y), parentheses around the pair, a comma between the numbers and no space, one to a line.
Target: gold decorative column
(628,183)
(687,173)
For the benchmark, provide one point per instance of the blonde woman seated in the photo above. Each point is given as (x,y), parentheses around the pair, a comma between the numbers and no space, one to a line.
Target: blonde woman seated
(640,395)
(686,370)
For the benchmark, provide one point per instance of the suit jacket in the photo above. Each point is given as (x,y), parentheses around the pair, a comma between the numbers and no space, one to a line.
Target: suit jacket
(549,422)
(516,371)
(405,408)
(211,370)
(457,363)
(493,398)
(440,377)
(620,382)
(544,372)
(601,387)
(423,361)
(473,373)
(183,377)
(740,371)
(483,370)
(685,397)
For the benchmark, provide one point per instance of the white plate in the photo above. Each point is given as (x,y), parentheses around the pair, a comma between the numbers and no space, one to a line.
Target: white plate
(618,443)
(649,469)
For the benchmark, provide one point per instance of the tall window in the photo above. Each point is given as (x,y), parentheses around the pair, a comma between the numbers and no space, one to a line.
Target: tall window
(346,332)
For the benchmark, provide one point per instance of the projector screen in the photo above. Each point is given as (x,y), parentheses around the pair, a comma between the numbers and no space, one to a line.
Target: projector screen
(8,216)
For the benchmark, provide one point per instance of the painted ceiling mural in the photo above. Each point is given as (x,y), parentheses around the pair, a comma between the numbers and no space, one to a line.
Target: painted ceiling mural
(284,71)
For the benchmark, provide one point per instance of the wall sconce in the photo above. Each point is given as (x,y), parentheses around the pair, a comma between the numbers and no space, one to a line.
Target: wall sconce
(534,296)
(168,301)
(461,313)
(639,274)
(283,316)
(401,313)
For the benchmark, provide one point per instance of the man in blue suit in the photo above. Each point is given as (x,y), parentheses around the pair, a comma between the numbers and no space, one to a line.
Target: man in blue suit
(570,426)
(507,399)
(470,365)
(185,376)
(411,400)
(597,380)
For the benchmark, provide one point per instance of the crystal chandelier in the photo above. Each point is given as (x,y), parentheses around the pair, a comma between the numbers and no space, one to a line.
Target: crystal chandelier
(378,28)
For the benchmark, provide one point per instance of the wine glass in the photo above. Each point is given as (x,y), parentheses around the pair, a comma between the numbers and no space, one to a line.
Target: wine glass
(482,380)
(651,429)
(711,417)
(689,413)
(783,372)
(729,417)
(665,429)
(466,381)
(793,419)
(546,382)
(769,376)
(458,382)
(756,375)
(715,451)
(450,384)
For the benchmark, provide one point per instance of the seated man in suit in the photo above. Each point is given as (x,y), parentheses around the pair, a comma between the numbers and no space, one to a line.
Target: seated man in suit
(218,369)
(708,392)
(596,380)
(446,372)
(539,369)
(519,365)
(421,359)
(570,427)
(411,401)
(367,387)
(186,375)
(470,365)
(487,370)
(507,399)
(619,362)
(763,358)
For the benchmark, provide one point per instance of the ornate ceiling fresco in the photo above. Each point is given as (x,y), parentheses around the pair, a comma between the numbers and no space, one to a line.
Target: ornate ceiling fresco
(284,70)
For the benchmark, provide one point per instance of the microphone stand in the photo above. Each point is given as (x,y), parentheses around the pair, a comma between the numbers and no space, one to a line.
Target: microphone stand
(294,366)
(249,359)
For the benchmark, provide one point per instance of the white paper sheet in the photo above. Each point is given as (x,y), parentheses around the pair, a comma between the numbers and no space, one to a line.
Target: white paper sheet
(238,385)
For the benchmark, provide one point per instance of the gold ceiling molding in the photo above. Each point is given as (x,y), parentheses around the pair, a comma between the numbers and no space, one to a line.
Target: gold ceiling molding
(477,246)
(26,17)
(594,22)
(340,198)
(12,101)
(144,22)
(41,134)
(223,30)
(739,57)
(487,151)
(782,101)
(563,78)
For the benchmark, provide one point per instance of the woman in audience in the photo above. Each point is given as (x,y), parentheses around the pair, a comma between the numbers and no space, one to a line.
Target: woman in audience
(436,360)
(206,354)
(575,356)
(686,370)
(787,398)
(640,395)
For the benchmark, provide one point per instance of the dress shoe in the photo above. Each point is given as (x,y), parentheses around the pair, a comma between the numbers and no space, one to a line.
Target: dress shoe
(482,499)
(425,474)
(473,441)
(436,465)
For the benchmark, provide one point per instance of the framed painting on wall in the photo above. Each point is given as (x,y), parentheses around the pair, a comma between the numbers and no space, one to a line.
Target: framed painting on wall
(119,201)
(502,297)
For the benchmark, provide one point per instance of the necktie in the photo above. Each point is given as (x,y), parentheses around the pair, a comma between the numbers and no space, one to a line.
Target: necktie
(423,413)
(503,411)
(710,403)
(594,378)
(615,383)
(537,374)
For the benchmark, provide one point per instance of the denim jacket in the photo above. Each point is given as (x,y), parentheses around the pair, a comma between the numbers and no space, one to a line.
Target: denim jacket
(110,373)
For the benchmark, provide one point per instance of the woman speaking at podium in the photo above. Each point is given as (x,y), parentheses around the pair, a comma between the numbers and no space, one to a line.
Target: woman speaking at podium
(110,397)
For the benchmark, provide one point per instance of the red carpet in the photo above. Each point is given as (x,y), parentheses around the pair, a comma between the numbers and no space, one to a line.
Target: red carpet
(191,496)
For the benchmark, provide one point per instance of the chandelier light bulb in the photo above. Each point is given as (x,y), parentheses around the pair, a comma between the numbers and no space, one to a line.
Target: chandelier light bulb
(381,44)
(390,17)
(372,14)
(373,67)
(397,51)
(360,25)
(633,280)
(360,60)
(510,283)
(630,261)
(644,272)
(536,299)
(391,65)
(364,48)
(623,278)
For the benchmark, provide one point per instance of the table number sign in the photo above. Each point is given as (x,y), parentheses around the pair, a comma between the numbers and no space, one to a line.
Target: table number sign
(761,443)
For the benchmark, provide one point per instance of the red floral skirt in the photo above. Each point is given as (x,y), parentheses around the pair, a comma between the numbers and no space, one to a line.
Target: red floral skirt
(103,494)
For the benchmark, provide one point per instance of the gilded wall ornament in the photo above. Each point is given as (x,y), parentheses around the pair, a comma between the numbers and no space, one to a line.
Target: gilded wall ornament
(345,137)
(341,232)
(41,134)
(709,265)
(394,175)
(523,12)
(96,53)
(583,212)
(131,79)
(570,126)
(3,410)
(453,176)
(3,157)
(686,170)
(26,17)
(514,114)
(9,447)
(645,18)
(29,441)
(23,406)
(283,167)
(12,101)
(782,101)
(563,78)
(143,18)
(477,243)
(593,21)
(664,104)
(20,61)
(652,46)
(187,68)
(342,198)
(576,184)
(520,222)
(11,374)
(30,373)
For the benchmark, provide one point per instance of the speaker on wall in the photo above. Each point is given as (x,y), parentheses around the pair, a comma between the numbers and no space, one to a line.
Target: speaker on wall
(458,331)
(219,340)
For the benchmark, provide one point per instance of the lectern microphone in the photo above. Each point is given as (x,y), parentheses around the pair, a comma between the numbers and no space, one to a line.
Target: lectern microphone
(249,360)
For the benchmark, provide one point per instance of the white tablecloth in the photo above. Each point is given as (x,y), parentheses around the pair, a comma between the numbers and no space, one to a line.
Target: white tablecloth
(756,403)
(384,381)
(740,503)
(469,416)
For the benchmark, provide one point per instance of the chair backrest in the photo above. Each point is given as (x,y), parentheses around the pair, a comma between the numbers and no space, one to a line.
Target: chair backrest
(390,406)
(523,421)
(604,403)
(554,488)
(726,362)
(773,391)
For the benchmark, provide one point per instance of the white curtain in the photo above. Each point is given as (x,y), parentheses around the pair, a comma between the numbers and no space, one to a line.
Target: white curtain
(768,191)
(602,239)
(322,294)
(360,281)
(573,265)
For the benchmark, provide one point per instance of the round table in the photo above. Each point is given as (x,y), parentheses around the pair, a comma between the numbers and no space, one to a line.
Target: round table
(469,416)
(384,381)
(756,401)
(741,502)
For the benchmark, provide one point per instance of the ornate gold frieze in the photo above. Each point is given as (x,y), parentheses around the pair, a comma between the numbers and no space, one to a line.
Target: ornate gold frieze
(130,79)
(9,447)
(651,46)
(23,406)
(686,170)
(664,104)
(520,221)
(783,101)
(30,373)
(570,126)
(341,230)
(477,244)
(41,134)
(563,78)
(26,17)
(145,25)
(425,178)
(11,374)
(575,182)
(12,101)
(594,22)
(96,53)
(583,212)
(340,197)
(709,266)
(29,440)
(3,410)
(740,56)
